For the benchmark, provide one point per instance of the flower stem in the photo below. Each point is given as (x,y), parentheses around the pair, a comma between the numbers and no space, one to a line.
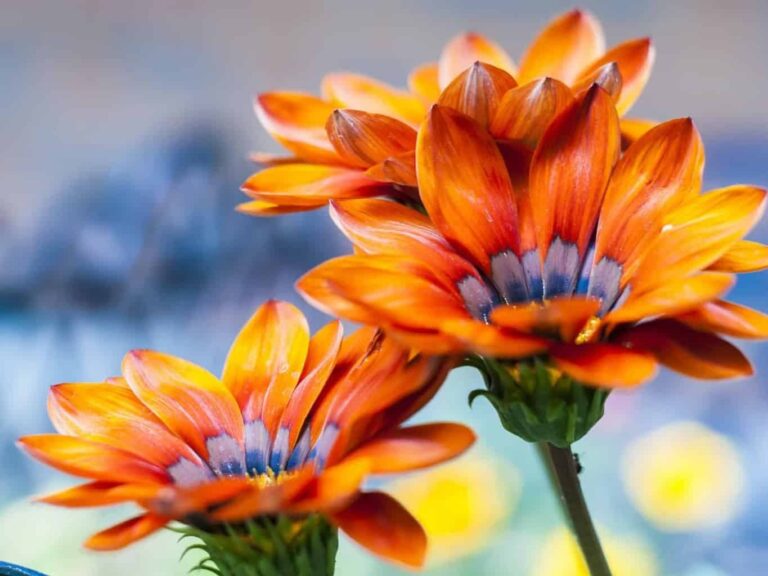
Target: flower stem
(563,468)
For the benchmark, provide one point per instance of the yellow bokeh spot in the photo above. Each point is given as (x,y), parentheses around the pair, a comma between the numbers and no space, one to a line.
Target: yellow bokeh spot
(460,504)
(684,477)
(560,556)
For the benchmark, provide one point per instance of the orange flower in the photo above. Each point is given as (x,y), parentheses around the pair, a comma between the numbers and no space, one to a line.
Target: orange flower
(603,264)
(293,427)
(358,139)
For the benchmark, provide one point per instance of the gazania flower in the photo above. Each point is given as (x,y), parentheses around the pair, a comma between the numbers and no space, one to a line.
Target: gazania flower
(358,139)
(603,265)
(291,430)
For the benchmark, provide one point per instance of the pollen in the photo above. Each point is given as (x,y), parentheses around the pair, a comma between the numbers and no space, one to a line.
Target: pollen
(589,330)
(271,478)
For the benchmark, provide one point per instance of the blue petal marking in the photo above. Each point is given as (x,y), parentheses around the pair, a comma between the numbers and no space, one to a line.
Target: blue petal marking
(508,276)
(324,444)
(300,451)
(257,447)
(187,473)
(280,450)
(561,268)
(532,267)
(478,297)
(604,282)
(586,271)
(225,455)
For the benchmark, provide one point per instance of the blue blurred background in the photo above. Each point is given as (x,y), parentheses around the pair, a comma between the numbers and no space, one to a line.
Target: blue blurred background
(127,129)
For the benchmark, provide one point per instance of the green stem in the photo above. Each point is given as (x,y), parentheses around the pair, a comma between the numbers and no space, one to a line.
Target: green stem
(563,468)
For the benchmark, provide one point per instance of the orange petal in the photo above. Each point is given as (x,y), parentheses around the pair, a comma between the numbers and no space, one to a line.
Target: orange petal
(607,77)
(466,49)
(128,532)
(657,173)
(605,365)
(381,525)
(569,173)
(265,362)
(423,82)
(492,340)
(742,256)
(334,488)
(363,93)
(567,316)
(689,351)
(191,402)
(477,91)
(114,415)
(265,209)
(633,128)
(727,318)
(674,297)
(365,139)
(91,459)
(415,447)
(297,121)
(465,186)
(102,493)
(699,232)
(400,169)
(564,48)
(525,112)
(309,185)
(635,60)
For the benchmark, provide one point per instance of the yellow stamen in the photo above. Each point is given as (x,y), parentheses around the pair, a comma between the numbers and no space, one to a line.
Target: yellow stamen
(589,330)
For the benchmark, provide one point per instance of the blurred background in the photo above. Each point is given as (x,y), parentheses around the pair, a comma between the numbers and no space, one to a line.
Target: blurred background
(128,126)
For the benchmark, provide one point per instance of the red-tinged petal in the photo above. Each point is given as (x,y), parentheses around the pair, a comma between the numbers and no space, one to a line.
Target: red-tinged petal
(101,493)
(365,139)
(309,185)
(635,60)
(270,159)
(674,297)
(381,525)
(363,93)
(699,232)
(525,112)
(564,48)
(494,341)
(334,488)
(89,459)
(727,318)
(191,402)
(466,49)
(113,415)
(423,82)
(656,174)
(477,92)
(266,360)
(183,502)
(265,209)
(607,77)
(742,256)
(400,169)
(604,365)
(633,128)
(125,533)
(689,351)
(297,121)
(565,316)
(465,186)
(415,447)
(569,173)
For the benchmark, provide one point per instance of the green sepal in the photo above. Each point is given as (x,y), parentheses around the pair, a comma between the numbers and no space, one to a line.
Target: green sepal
(538,403)
(266,546)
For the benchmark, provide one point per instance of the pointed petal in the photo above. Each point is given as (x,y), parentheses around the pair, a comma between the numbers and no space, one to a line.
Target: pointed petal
(699,232)
(101,493)
(400,169)
(465,186)
(415,447)
(423,82)
(607,77)
(565,316)
(604,365)
(633,128)
(125,533)
(492,340)
(191,402)
(477,91)
(113,415)
(569,174)
(466,49)
(693,353)
(564,48)
(526,111)
(263,208)
(381,525)
(297,121)
(674,297)
(364,139)
(334,488)
(363,93)
(635,60)
(91,459)
(742,256)
(727,318)
(656,174)
(309,185)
